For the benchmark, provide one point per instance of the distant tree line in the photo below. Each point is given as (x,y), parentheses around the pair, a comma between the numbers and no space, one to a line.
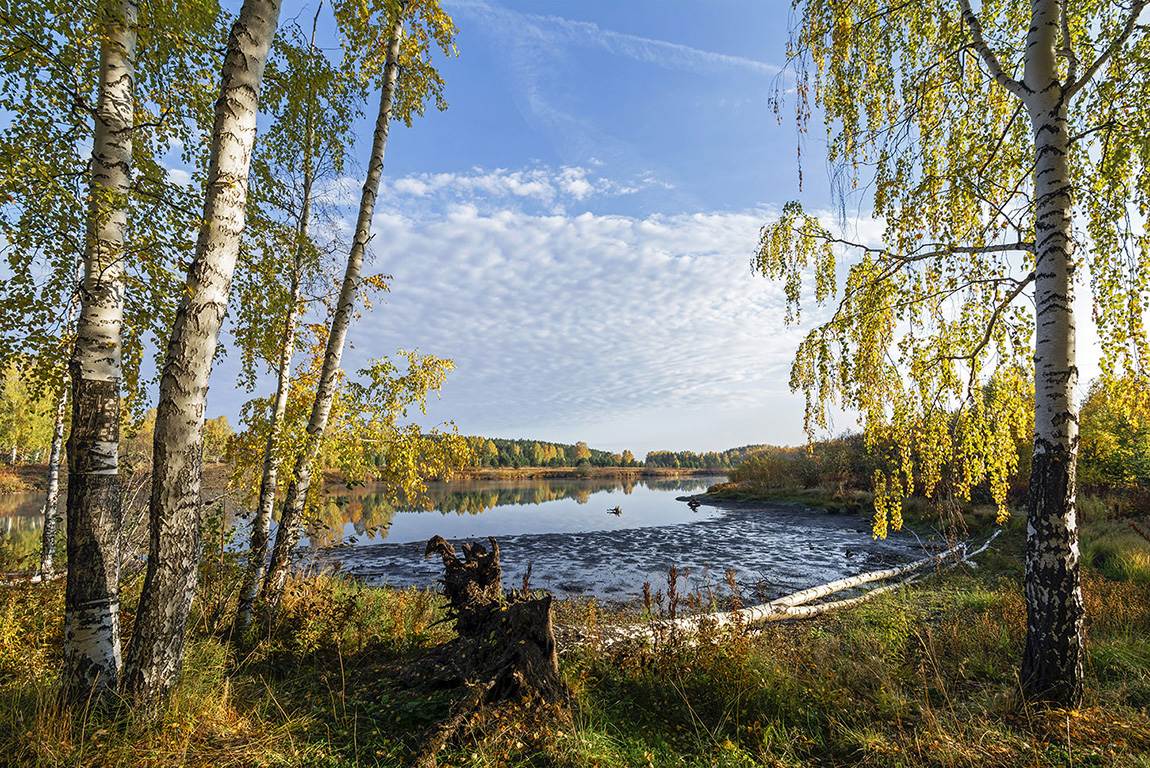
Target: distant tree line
(1114,454)
(500,452)
(710,460)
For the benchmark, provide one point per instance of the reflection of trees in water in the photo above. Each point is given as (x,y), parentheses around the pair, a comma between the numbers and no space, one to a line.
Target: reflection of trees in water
(20,535)
(369,515)
(370,512)
(682,483)
(20,504)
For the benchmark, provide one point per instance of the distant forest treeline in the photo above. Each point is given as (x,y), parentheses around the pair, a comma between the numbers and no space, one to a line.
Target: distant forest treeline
(710,460)
(498,452)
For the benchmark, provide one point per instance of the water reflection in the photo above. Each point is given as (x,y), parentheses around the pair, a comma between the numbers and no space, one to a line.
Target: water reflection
(565,529)
(505,506)
(465,507)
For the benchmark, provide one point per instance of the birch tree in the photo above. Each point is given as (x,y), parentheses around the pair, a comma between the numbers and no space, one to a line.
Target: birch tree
(49,72)
(92,602)
(123,81)
(411,28)
(52,496)
(1002,148)
(369,435)
(311,103)
(155,652)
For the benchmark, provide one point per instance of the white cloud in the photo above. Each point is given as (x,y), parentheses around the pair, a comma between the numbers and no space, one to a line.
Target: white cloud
(541,185)
(560,322)
(180,176)
(554,31)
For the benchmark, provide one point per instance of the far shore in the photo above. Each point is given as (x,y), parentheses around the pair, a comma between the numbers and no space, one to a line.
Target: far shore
(32,478)
(520,473)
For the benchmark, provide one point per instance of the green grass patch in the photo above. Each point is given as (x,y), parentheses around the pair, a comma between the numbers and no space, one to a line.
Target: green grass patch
(926,676)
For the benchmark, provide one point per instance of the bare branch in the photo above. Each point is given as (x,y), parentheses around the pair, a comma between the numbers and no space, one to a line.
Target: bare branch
(1002,305)
(1108,125)
(1001,138)
(992,63)
(940,249)
(1073,86)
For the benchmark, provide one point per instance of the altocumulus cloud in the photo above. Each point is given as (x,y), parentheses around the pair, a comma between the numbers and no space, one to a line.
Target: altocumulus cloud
(556,321)
(553,190)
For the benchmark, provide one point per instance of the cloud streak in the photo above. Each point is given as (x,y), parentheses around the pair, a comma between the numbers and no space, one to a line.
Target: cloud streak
(549,60)
(542,185)
(556,31)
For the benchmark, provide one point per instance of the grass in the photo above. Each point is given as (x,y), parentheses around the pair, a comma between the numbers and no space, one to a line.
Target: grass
(925,676)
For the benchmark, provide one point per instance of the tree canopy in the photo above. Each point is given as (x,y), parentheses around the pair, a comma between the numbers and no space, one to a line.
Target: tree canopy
(930,337)
(999,149)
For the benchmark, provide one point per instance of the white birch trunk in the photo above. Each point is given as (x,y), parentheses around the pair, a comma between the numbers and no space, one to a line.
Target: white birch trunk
(155,652)
(287,535)
(261,525)
(52,498)
(1052,665)
(92,602)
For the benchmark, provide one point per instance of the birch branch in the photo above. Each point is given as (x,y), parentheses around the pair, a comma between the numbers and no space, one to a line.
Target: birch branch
(1074,85)
(987,55)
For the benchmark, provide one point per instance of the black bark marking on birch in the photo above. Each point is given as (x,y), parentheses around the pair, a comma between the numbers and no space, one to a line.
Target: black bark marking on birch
(1052,664)
(1054,658)
(91,641)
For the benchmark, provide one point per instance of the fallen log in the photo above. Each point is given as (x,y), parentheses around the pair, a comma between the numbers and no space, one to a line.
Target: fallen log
(792,606)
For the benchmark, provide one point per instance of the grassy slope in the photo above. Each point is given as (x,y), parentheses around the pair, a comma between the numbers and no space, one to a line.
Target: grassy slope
(922,677)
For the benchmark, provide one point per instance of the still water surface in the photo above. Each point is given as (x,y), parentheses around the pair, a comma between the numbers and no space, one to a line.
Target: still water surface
(459,509)
(566,532)
(468,509)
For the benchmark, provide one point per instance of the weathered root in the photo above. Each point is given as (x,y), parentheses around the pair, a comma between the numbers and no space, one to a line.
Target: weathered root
(505,649)
(437,738)
(471,585)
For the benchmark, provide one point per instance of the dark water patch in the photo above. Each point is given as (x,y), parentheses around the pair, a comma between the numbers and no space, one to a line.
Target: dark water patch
(774,549)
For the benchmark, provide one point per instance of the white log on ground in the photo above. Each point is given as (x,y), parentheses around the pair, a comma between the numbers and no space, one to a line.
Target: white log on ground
(792,606)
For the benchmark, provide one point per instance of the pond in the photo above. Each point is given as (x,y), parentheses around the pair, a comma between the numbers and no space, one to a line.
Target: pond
(580,536)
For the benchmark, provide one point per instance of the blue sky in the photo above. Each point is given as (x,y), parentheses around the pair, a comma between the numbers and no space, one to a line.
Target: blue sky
(575,231)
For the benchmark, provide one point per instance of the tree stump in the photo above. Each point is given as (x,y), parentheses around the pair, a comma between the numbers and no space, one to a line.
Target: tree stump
(505,650)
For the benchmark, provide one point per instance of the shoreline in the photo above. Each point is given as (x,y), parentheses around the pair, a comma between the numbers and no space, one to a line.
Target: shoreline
(33,477)
(579,473)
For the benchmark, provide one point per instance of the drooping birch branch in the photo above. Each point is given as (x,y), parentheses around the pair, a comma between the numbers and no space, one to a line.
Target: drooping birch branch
(1073,86)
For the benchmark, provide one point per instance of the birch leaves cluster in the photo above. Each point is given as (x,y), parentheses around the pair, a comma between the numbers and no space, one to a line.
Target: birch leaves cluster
(929,329)
(49,76)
